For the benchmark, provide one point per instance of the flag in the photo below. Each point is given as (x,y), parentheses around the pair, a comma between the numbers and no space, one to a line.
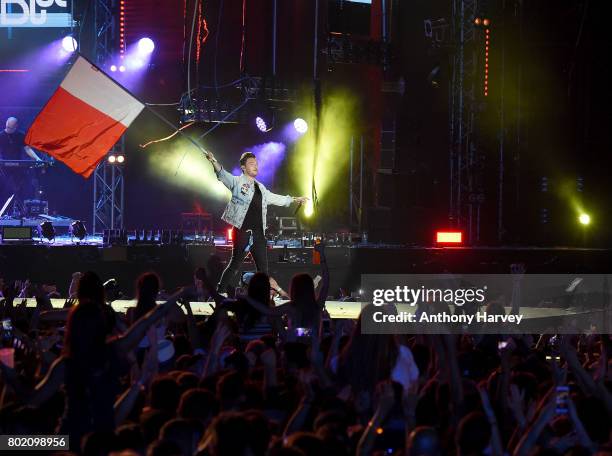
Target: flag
(84,118)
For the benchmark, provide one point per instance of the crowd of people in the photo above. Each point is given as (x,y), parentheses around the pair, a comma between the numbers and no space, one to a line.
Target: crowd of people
(256,378)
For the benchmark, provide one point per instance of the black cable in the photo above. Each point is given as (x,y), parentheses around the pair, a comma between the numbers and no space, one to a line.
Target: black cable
(193,21)
(217,33)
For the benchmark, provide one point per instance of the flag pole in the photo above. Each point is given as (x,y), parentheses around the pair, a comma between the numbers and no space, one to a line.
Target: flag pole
(155,113)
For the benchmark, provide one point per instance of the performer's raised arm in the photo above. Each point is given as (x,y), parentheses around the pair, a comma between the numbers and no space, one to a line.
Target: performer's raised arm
(246,211)
(225,177)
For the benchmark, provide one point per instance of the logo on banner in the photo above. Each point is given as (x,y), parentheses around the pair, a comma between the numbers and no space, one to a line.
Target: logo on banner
(35,13)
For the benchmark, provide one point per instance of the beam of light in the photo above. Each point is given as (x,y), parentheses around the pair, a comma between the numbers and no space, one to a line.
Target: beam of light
(134,63)
(567,191)
(269,155)
(290,134)
(309,209)
(195,172)
(336,128)
(29,84)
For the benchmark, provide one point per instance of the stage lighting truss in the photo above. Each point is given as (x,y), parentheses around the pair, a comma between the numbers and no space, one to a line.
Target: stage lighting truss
(348,49)
(238,103)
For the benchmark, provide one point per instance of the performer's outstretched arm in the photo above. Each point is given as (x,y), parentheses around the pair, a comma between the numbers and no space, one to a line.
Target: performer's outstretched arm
(278,200)
(284,200)
(226,178)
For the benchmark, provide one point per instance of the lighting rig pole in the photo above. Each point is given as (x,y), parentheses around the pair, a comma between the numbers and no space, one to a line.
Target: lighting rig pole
(465,196)
(108,188)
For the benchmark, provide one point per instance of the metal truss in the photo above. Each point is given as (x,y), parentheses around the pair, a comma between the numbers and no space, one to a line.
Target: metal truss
(466,189)
(238,102)
(108,178)
(108,194)
(356,185)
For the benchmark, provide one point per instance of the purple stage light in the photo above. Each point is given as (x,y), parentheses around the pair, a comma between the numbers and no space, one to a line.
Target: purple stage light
(69,44)
(300,125)
(269,157)
(134,62)
(290,134)
(261,124)
(145,46)
(121,68)
(113,68)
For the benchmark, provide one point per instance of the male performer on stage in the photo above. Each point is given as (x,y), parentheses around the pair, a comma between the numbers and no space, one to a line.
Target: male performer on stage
(20,182)
(246,212)
(12,146)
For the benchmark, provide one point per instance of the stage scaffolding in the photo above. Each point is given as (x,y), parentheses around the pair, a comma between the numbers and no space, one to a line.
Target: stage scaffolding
(108,185)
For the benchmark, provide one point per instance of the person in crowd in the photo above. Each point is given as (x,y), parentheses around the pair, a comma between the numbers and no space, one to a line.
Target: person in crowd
(236,391)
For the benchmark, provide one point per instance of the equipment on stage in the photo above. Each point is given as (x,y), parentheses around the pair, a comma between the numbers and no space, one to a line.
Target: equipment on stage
(16,233)
(6,204)
(34,208)
(23,171)
(21,229)
(287,224)
(196,221)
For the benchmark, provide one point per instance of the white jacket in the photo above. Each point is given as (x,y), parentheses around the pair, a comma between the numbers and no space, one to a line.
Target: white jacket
(243,189)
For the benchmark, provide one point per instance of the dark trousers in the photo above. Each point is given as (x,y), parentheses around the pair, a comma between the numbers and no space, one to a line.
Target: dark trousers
(239,253)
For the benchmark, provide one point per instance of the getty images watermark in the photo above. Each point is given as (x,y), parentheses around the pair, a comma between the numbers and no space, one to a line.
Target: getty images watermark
(486,303)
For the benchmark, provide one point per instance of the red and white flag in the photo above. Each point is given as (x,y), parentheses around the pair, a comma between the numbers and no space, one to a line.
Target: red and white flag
(84,118)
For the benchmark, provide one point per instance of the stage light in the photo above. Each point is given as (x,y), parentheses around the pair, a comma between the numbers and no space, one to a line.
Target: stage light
(122,68)
(261,124)
(78,230)
(230,235)
(584,219)
(113,68)
(300,125)
(46,230)
(120,158)
(112,159)
(69,44)
(477,21)
(449,237)
(486,22)
(145,46)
